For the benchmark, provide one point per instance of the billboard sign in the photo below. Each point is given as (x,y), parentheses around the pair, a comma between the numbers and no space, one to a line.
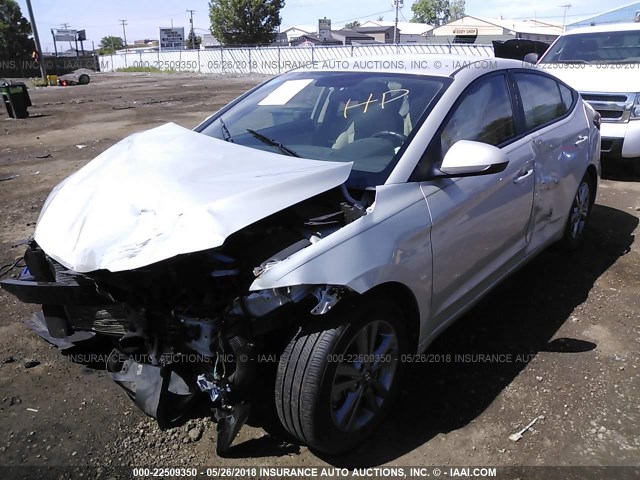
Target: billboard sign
(65,35)
(171,38)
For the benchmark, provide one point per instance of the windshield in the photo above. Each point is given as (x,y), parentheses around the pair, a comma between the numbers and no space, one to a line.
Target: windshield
(359,117)
(601,48)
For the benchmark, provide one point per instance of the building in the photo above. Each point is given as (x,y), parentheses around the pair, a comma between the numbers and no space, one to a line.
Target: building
(327,36)
(409,32)
(297,31)
(483,30)
(337,37)
(209,41)
(145,43)
(628,13)
(379,34)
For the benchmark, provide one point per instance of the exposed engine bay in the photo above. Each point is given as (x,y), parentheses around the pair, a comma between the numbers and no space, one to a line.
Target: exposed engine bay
(189,327)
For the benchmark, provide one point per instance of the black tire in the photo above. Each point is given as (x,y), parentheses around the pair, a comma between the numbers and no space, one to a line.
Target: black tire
(579,214)
(84,79)
(307,392)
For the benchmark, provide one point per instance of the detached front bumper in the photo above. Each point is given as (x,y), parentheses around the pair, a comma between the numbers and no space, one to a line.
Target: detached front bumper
(68,293)
(71,302)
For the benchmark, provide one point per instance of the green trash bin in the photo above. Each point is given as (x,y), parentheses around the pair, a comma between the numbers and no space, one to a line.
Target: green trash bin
(16,99)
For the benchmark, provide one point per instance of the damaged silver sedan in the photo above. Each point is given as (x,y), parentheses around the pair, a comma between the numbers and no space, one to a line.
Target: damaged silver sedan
(287,253)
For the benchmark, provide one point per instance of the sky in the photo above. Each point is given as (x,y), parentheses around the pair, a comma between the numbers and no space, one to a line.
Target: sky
(144,17)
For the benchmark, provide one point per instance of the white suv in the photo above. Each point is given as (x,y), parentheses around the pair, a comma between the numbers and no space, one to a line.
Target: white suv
(603,64)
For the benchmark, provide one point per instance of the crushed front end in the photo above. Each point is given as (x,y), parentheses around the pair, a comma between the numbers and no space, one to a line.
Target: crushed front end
(188,328)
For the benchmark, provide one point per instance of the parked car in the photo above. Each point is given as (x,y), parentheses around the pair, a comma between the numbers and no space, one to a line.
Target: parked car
(603,64)
(303,241)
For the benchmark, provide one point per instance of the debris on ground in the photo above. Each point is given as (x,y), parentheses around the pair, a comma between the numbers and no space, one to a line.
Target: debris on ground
(9,359)
(30,363)
(518,435)
(195,433)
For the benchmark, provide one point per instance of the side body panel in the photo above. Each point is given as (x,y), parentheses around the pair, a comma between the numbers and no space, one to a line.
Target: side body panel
(392,243)
(563,151)
(480,229)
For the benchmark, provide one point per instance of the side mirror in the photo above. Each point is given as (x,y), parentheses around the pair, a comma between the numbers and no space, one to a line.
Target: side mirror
(466,158)
(531,58)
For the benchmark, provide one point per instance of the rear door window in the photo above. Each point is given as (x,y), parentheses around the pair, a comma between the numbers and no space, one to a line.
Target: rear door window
(541,99)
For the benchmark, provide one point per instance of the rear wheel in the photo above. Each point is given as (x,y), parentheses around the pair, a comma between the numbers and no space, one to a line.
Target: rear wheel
(336,383)
(579,214)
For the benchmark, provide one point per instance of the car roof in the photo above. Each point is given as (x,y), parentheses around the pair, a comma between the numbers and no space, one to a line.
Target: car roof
(416,64)
(618,27)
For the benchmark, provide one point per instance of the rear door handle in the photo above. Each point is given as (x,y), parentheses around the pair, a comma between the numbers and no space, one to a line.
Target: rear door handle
(522,176)
(581,139)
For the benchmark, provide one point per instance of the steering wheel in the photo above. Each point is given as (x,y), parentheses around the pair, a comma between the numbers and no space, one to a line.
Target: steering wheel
(388,133)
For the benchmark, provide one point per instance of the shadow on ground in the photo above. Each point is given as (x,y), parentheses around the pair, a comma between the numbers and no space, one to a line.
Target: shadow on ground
(519,318)
(621,170)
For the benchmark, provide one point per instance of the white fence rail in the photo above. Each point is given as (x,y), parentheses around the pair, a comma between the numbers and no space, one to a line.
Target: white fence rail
(271,60)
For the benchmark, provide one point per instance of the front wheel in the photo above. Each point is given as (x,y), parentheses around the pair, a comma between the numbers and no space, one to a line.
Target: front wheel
(335,384)
(579,214)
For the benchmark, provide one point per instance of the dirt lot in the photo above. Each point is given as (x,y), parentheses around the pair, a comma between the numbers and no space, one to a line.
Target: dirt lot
(567,326)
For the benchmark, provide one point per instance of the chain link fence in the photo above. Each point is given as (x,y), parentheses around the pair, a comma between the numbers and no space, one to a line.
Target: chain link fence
(272,60)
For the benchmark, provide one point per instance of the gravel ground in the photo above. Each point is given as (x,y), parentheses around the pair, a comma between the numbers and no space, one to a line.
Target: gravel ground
(567,328)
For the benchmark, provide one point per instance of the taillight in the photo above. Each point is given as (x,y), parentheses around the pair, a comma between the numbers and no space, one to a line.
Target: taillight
(597,120)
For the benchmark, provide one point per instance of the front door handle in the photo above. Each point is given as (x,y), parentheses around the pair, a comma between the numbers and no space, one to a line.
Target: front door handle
(522,176)
(581,139)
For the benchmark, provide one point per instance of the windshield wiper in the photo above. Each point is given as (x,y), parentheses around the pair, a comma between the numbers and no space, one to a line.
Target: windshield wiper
(226,134)
(273,143)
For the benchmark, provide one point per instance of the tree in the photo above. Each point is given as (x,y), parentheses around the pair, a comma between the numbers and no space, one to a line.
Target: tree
(110,44)
(245,22)
(437,12)
(197,41)
(456,9)
(354,24)
(15,31)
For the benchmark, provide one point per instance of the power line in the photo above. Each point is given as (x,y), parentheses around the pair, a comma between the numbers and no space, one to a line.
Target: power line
(363,16)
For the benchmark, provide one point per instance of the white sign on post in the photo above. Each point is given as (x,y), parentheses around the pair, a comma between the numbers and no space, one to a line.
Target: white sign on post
(172,38)
(65,35)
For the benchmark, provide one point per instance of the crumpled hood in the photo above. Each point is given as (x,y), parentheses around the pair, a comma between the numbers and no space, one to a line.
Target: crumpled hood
(596,78)
(170,191)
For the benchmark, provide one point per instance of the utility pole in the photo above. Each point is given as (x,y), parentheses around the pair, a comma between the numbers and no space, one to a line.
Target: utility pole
(398,4)
(124,33)
(36,39)
(64,25)
(564,18)
(193,36)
